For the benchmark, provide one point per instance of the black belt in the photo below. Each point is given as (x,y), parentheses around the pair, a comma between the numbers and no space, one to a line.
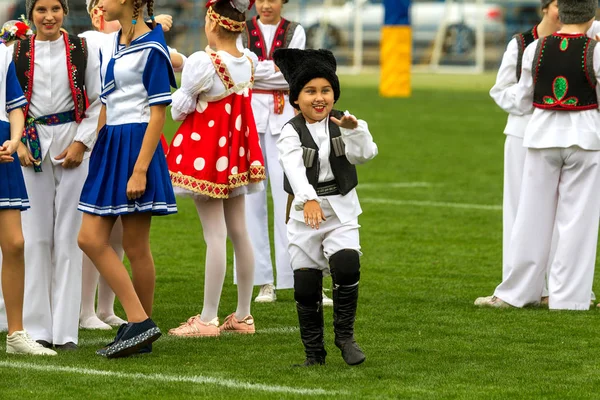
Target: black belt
(329,188)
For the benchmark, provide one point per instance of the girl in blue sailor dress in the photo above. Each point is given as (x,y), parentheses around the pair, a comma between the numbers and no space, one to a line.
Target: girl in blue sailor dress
(13,200)
(128,171)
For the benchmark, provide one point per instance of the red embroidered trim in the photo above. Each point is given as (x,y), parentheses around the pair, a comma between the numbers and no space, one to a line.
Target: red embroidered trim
(29,74)
(534,31)
(564,107)
(537,67)
(222,70)
(279,34)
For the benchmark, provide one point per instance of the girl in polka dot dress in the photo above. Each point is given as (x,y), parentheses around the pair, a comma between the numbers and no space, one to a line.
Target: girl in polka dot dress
(215,158)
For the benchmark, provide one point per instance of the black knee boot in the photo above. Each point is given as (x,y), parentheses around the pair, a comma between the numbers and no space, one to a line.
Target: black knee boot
(308,289)
(345,271)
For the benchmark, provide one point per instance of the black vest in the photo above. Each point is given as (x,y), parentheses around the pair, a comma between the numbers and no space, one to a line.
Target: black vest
(523,40)
(563,73)
(253,40)
(344,173)
(76,47)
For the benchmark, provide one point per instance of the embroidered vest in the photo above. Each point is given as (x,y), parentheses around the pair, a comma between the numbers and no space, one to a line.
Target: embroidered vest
(563,73)
(24,58)
(523,40)
(253,38)
(344,173)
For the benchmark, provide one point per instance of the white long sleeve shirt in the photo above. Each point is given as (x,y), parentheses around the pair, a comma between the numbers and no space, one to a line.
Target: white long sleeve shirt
(267,78)
(501,91)
(360,148)
(200,82)
(548,128)
(52,94)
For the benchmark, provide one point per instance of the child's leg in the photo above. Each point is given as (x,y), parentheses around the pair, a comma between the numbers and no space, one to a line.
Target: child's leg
(136,243)
(237,232)
(106,297)
(212,217)
(285,274)
(12,246)
(89,284)
(578,212)
(94,241)
(38,231)
(514,160)
(531,237)
(308,261)
(342,247)
(67,256)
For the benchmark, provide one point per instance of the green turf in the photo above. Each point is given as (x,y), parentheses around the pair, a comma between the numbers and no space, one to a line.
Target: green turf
(422,268)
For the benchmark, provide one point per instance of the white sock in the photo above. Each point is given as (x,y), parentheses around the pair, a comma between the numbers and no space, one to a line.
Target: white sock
(235,220)
(89,283)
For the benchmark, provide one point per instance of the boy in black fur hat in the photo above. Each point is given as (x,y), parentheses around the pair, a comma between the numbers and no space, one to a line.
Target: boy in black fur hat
(318,150)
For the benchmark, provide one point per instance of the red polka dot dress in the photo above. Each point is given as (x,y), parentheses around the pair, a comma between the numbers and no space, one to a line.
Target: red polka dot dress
(216,151)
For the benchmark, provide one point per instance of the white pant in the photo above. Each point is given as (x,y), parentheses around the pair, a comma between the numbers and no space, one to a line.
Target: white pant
(257,221)
(52,257)
(514,161)
(312,248)
(560,192)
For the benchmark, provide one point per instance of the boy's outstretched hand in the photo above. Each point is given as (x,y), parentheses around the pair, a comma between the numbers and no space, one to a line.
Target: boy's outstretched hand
(347,122)
(313,214)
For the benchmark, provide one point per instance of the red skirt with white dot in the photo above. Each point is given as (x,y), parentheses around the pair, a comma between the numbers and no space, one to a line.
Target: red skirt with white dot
(216,150)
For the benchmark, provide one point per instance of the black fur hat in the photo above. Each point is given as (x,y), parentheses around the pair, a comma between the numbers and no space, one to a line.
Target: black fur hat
(301,66)
(576,11)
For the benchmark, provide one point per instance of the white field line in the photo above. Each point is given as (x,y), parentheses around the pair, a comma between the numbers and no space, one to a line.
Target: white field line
(418,203)
(395,185)
(197,379)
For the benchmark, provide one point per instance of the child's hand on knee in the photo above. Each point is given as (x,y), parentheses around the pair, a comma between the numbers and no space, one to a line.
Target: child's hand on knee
(313,214)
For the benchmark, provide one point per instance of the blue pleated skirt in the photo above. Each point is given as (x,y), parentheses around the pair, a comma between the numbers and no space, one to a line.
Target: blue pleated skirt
(111,165)
(13,194)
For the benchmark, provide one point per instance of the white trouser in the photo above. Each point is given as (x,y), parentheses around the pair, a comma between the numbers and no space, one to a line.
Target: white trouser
(560,193)
(514,161)
(52,257)
(312,248)
(257,221)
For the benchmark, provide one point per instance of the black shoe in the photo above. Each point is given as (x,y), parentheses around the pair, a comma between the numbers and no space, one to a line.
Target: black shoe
(102,351)
(310,362)
(47,345)
(345,301)
(134,337)
(351,353)
(69,346)
(312,331)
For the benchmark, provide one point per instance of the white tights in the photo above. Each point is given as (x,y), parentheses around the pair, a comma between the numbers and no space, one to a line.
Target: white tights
(221,219)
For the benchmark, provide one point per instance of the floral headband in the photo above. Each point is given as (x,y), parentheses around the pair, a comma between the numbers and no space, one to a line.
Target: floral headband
(15,30)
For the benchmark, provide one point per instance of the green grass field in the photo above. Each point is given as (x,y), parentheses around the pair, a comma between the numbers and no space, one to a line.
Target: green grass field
(431,237)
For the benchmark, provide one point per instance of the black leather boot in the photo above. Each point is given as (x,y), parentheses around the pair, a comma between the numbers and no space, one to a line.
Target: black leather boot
(345,300)
(311,333)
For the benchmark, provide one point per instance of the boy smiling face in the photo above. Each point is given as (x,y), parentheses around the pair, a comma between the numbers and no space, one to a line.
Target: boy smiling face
(316,100)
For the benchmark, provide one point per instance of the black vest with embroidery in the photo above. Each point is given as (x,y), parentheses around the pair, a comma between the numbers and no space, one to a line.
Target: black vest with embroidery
(563,73)
(523,40)
(253,39)
(24,54)
(344,173)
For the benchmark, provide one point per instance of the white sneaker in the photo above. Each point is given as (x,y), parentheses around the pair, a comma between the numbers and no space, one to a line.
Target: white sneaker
(93,322)
(491,301)
(266,294)
(327,302)
(21,343)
